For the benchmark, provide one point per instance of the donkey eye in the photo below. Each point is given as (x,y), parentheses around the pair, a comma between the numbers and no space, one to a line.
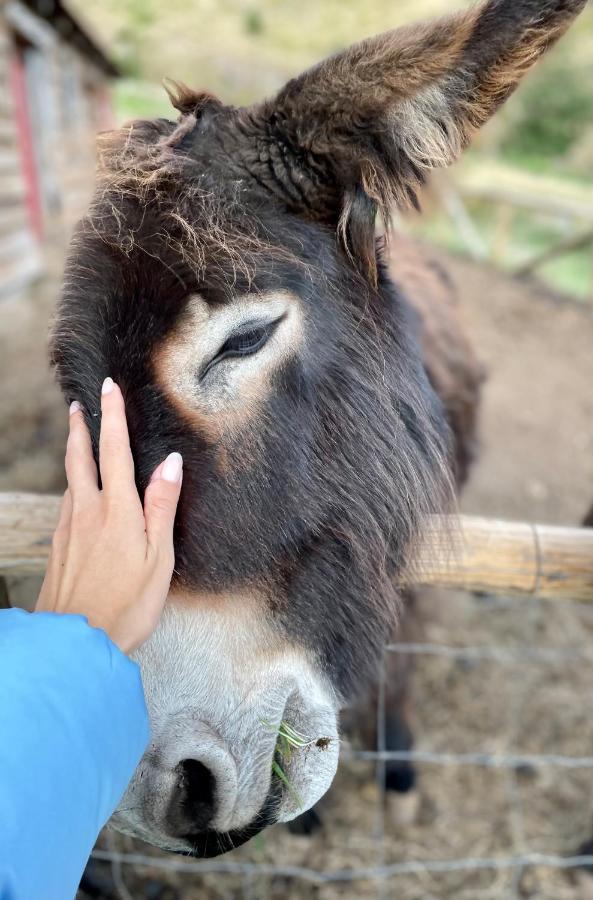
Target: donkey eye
(245,342)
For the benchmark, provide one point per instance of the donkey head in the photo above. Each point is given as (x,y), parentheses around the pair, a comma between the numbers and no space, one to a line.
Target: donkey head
(227,276)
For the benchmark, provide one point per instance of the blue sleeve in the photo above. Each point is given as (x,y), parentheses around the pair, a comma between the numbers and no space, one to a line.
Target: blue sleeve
(73,726)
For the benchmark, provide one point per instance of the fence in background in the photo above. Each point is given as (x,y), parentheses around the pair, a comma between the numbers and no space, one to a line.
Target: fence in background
(465,552)
(522,557)
(384,876)
(508,191)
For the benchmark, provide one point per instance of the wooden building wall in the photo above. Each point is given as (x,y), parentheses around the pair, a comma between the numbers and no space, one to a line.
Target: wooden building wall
(20,259)
(52,103)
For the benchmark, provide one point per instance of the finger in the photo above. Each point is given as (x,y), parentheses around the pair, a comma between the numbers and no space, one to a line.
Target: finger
(115,457)
(65,515)
(81,470)
(160,504)
(56,557)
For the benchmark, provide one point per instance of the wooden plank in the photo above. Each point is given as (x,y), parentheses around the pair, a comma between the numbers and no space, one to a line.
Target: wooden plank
(568,245)
(13,218)
(10,161)
(79,180)
(506,558)
(511,558)
(19,273)
(27,522)
(12,188)
(500,183)
(16,244)
(4,67)
(551,206)
(30,26)
(75,205)
(5,43)
(73,165)
(6,105)
(79,198)
(8,132)
(72,171)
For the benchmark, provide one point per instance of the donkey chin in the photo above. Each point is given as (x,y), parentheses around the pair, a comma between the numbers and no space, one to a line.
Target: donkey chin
(219,681)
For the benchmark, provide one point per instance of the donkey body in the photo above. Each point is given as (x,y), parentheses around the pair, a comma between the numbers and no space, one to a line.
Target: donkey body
(228,277)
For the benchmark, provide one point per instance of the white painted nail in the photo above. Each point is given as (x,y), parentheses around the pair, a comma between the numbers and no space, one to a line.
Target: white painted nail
(74,407)
(172,468)
(107,386)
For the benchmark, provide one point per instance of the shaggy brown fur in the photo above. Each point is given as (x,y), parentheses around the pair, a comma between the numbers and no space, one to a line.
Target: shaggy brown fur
(453,368)
(457,376)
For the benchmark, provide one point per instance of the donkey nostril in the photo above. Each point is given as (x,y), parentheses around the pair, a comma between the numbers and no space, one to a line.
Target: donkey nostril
(197,782)
(192,804)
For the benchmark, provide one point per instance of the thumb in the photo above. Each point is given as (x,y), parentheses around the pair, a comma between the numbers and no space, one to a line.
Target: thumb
(160,502)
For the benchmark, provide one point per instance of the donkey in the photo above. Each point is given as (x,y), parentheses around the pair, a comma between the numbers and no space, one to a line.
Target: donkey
(228,276)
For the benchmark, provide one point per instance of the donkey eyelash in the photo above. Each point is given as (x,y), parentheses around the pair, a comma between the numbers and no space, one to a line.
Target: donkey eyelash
(246,342)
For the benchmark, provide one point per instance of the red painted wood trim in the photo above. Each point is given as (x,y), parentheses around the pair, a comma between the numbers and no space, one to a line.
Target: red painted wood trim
(18,85)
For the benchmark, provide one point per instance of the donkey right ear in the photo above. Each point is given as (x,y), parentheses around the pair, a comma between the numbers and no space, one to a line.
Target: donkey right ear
(358,133)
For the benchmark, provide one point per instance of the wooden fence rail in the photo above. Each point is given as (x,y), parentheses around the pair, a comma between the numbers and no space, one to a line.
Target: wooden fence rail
(503,558)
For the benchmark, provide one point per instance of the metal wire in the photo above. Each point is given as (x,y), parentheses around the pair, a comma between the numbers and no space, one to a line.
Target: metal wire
(492,653)
(380,873)
(488,760)
(315,876)
(380,767)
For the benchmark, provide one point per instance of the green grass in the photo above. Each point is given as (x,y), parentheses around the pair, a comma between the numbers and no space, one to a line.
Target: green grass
(288,739)
(137,99)
(571,274)
(558,167)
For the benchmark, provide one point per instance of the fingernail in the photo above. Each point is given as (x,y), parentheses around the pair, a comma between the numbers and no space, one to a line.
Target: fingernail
(74,407)
(172,468)
(107,386)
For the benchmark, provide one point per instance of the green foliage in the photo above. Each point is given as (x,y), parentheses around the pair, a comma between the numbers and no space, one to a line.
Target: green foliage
(254,22)
(571,274)
(138,100)
(125,53)
(555,110)
(527,236)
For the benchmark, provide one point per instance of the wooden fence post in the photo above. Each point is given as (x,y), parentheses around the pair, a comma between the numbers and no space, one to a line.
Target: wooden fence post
(474,554)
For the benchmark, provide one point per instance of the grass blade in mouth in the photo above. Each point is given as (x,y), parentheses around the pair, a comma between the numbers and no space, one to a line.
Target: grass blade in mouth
(279,772)
(288,739)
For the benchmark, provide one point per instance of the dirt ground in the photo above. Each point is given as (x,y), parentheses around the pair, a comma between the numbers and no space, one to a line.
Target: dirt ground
(536,463)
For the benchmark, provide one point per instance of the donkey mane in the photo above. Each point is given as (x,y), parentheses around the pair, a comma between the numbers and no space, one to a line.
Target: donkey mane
(148,165)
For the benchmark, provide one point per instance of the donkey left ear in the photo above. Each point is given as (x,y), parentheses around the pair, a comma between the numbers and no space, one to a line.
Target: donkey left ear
(358,133)
(187,100)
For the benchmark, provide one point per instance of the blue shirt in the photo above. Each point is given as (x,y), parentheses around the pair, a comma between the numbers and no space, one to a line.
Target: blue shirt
(73,727)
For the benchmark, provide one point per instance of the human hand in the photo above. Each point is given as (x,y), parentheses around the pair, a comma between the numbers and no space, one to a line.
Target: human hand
(111,559)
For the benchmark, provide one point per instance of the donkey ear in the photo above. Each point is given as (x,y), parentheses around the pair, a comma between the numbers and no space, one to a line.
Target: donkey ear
(357,133)
(187,100)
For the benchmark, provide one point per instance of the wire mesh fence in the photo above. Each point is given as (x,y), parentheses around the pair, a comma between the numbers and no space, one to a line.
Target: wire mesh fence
(515,816)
